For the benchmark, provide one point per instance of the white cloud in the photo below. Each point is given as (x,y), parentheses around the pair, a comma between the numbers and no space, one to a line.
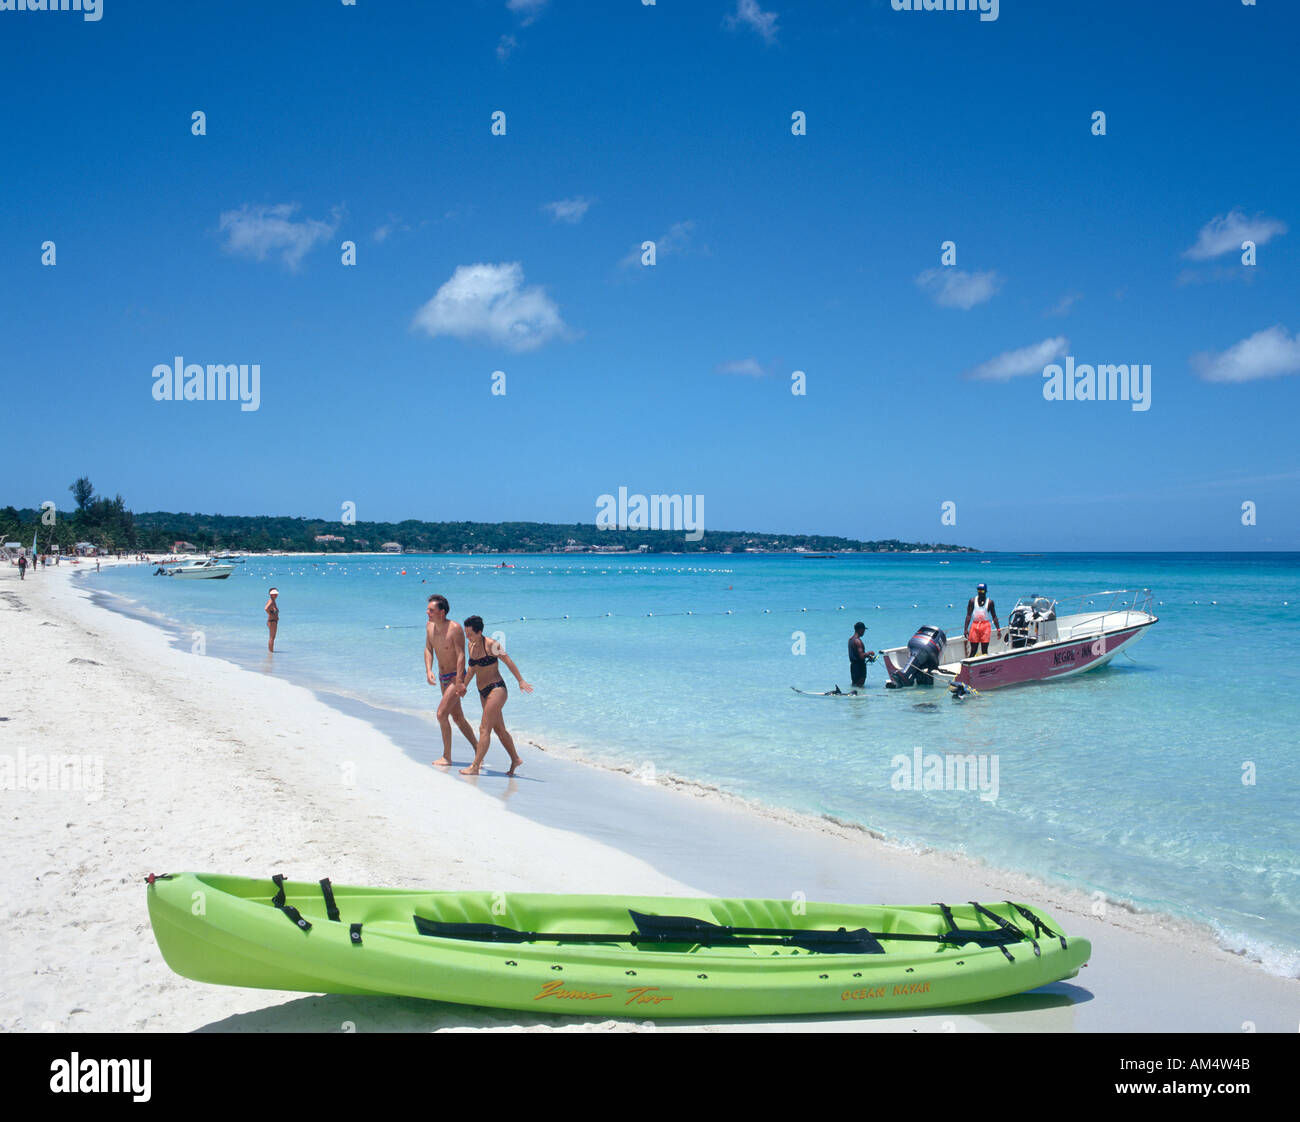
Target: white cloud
(1026,360)
(953,288)
(1266,354)
(526,10)
(750,367)
(505,46)
(386,230)
(568,210)
(490,303)
(1225,234)
(1064,304)
(677,240)
(259,230)
(750,14)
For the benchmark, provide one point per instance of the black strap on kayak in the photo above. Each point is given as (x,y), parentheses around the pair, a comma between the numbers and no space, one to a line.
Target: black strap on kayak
(1039,926)
(278,901)
(1014,934)
(981,938)
(331,909)
(354,933)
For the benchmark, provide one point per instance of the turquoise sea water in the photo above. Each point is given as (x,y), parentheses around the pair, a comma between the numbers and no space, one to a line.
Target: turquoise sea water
(1126,782)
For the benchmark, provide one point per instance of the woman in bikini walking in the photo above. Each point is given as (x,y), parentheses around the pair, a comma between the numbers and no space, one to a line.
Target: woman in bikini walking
(483,656)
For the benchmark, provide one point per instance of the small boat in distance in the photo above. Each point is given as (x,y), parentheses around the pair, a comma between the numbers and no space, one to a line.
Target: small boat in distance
(198,570)
(1037,644)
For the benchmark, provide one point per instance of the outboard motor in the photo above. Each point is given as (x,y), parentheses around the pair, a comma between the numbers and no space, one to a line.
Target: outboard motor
(926,648)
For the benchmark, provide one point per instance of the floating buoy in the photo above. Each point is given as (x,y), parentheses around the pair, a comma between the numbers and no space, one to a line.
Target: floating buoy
(402,573)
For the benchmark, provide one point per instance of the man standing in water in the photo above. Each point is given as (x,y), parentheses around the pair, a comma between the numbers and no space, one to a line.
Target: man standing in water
(979,609)
(859,656)
(444,640)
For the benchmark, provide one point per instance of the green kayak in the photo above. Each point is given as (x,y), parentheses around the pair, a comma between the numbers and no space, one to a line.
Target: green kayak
(634,956)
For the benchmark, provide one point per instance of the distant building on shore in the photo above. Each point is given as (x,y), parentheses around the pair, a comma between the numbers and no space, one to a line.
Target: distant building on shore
(391,547)
(326,538)
(177,547)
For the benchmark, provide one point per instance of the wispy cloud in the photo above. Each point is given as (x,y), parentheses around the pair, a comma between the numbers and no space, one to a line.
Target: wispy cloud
(1064,304)
(748,367)
(1016,364)
(387,229)
(568,210)
(260,231)
(1266,354)
(1228,273)
(953,288)
(749,14)
(1225,234)
(678,239)
(491,304)
(505,45)
(526,10)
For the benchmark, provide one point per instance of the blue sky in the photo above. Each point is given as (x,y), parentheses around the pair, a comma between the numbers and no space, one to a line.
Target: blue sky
(625,122)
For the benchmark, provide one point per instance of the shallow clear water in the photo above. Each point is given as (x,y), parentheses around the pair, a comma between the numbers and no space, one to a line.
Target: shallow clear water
(1127,781)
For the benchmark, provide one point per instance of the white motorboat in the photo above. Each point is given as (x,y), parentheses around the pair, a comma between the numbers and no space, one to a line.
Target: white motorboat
(1038,643)
(209,569)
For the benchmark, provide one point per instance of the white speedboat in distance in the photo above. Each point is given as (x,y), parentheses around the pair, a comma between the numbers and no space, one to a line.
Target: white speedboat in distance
(199,570)
(1037,644)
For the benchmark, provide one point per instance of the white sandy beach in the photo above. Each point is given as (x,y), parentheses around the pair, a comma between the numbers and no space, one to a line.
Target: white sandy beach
(191,763)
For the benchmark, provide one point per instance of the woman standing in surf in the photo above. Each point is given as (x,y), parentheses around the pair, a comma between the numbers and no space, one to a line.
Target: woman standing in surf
(483,656)
(272,610)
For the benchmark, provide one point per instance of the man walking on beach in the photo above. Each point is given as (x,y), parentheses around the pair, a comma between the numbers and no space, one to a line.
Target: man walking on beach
(22,566)
(444,640)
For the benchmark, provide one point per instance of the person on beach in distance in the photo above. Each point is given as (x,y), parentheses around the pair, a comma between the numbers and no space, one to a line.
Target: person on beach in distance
(483,656)
(859,656)
(272,618)
(979,609)
(22,566)
(444,640)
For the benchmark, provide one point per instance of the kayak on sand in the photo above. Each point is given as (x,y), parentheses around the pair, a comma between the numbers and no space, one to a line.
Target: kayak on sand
(607,955)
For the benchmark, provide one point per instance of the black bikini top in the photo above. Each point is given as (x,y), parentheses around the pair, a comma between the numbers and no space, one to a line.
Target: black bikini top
(486,660)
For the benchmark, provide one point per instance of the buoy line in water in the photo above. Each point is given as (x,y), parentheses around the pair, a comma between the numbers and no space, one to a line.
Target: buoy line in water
(639,615)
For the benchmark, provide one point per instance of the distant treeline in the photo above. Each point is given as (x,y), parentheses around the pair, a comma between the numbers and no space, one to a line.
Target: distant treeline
(109,524)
